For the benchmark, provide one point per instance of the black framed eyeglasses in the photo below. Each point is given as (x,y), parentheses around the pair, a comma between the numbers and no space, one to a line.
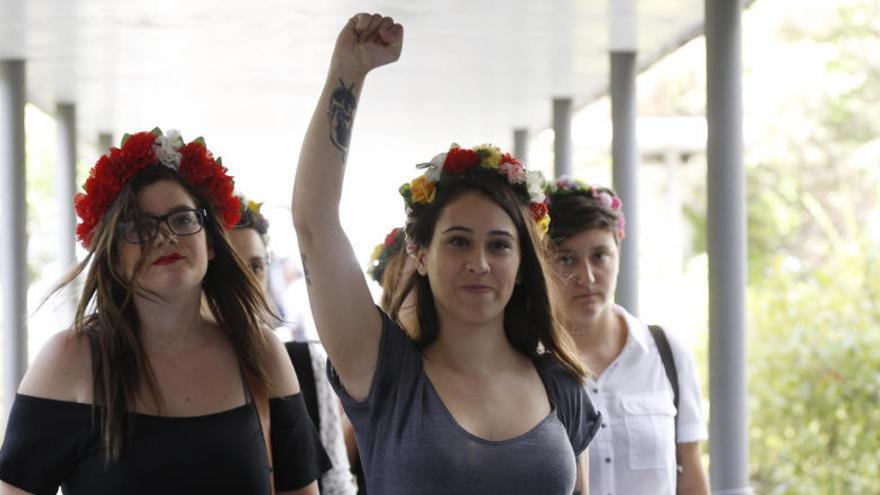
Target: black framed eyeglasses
(180,223)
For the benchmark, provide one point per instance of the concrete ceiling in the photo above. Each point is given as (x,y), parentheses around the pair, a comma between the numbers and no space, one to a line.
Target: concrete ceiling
(246,74)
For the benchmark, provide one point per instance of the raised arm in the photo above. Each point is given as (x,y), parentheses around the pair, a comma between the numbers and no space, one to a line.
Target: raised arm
(346,319)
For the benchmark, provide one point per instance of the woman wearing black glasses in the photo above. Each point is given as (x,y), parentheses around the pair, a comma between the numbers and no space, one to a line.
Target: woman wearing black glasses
(145,394)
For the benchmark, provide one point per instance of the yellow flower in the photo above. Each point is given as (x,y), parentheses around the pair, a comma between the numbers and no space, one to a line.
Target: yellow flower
(491,155)
(377,251)
(422,190)
(254,206)
(543,224)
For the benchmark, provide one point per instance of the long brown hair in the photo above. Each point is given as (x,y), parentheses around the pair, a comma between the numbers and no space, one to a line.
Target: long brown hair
(106,315)
(530,321)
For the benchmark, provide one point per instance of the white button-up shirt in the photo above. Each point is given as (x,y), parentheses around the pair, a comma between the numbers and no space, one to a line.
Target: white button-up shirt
(634,451)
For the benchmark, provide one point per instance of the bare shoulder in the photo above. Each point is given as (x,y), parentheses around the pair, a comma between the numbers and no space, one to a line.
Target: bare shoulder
(278,365)
(62,370)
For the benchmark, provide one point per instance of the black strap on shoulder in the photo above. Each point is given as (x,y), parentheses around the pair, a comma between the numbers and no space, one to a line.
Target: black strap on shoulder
(671,374)
(302,363)
(668,361)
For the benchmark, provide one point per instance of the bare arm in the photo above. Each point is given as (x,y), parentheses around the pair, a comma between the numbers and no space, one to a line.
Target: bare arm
(693,478)
(333,276)
(582,485)
(310,489)
(7,489)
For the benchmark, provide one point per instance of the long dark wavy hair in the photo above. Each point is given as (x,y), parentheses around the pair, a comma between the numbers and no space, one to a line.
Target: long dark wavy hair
(530,319)
(106,314)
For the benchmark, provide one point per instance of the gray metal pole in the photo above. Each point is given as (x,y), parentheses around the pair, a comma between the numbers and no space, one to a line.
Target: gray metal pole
(726,235)
(624,159)
(65,188)
(13,242)
(105,141)
(521,144)
(562,136)
(65,184)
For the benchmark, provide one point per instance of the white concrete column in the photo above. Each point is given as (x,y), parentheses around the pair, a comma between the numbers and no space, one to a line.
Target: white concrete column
(726,235)
(625,172)
(521,144)
(562,136)
(13,242)
(65,184)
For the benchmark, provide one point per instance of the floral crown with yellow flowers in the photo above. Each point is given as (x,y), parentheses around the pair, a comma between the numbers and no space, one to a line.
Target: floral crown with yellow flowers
(393,244)
(566,185)
(458,161)
(192,161)
(251,216)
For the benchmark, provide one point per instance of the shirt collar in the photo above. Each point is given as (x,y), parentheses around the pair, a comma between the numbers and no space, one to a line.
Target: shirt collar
(636,331)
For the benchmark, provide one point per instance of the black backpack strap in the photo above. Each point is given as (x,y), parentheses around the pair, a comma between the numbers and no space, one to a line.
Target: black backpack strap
(302,364)
(671,372)
(668,361)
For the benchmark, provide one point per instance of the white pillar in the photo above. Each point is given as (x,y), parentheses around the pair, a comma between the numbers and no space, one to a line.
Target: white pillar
(624,160)
(726,235)
(13,242)
(521,144)
(562,136)
(65,184)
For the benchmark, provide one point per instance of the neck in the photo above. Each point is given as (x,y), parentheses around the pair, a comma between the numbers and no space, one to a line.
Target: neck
(473,349)
(600,334)
(168,326)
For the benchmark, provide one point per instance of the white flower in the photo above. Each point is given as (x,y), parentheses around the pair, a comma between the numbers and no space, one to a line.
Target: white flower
(166,149)
(174,138)
(432,175)
(535,186)
(438,160)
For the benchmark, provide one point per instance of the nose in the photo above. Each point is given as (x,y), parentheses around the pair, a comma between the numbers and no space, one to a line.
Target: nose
(478,262)
(164,235)
(586,276)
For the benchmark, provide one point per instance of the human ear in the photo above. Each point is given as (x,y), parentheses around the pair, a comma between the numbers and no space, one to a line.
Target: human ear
(421,256)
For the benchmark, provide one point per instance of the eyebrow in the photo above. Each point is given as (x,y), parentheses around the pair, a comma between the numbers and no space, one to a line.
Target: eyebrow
(175,209)
(460,228)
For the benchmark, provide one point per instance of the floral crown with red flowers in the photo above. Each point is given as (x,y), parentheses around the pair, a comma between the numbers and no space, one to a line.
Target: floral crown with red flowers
(566,185)
(458,161)
(192,161)
(393,244)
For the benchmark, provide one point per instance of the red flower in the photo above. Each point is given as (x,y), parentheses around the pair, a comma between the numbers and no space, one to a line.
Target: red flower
(508,158)
(391,237)
(111,172)
(538,210)
(460,159)
(199,169)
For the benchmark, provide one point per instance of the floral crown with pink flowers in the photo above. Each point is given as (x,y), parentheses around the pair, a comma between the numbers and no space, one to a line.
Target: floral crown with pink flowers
(394,242)
(566,185)
(458,162)
(192,161)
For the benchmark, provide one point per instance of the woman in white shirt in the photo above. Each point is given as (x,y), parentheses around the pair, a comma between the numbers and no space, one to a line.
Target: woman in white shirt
(644,444)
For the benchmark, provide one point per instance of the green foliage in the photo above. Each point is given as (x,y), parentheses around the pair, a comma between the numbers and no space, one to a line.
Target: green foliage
(815,376)
(814,257)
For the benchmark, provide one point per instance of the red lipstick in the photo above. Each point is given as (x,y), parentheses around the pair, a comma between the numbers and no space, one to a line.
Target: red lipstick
(168,259)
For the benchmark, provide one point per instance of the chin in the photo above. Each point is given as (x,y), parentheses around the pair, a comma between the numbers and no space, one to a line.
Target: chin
(587,312)
(171,285)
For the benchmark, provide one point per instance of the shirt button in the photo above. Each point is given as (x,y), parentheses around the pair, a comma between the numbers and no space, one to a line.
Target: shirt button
(604,425)
(595,390)
(608,460)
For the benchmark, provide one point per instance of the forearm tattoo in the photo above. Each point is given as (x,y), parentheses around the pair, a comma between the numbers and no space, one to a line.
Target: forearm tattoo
(341,114)
(306,273)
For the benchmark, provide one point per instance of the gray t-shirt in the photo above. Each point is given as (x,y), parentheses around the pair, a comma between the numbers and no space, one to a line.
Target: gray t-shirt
(409,443)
